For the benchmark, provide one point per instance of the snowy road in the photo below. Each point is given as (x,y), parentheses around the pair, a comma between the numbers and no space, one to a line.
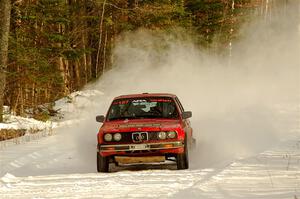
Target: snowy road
(272,174)
(60,166)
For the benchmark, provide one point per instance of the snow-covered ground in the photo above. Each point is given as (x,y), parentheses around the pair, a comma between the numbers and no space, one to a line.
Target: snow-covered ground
(272,174)
(61,166)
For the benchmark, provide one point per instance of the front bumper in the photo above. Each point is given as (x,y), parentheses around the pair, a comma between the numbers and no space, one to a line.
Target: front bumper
(140,147)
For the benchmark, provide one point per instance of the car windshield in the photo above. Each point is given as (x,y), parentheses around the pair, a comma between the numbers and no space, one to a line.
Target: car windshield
(139,108)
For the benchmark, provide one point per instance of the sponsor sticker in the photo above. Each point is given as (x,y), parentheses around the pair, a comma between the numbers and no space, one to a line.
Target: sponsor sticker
(138,125)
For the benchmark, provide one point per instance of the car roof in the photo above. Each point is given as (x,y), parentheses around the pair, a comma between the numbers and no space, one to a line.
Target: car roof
(145,95)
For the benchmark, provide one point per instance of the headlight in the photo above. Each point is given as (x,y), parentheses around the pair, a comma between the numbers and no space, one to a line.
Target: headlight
(162,135)
(171,134)
(117,136)
(108,137)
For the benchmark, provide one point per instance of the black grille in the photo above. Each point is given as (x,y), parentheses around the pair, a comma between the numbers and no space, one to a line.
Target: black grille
(127,137)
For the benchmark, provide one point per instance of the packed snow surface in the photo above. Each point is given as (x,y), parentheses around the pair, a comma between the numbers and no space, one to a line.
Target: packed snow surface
(59,166)
(272,174)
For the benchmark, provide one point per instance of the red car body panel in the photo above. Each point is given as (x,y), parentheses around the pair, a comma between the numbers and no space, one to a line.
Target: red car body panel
(160,147)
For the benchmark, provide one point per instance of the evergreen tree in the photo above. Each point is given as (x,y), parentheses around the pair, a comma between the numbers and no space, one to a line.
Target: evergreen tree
(58,46)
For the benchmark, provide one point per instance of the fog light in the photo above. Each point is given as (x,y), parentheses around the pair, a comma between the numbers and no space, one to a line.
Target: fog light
(171,134)
(108,137)
(117,137)
(162,135)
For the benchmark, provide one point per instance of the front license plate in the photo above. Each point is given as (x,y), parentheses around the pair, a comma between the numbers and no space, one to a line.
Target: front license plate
(139,147)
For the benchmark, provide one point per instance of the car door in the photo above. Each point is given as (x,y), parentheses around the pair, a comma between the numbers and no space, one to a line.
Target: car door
(186,122)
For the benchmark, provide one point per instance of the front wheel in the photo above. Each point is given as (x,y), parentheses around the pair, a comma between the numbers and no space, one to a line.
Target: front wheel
(102,163)
(183,158)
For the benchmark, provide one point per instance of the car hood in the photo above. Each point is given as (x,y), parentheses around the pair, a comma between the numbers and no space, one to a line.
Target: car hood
(141,125)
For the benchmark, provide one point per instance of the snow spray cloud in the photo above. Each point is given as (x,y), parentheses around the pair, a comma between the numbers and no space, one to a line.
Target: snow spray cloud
(234,102)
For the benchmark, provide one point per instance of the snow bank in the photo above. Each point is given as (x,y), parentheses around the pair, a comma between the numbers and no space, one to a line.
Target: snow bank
(70,111)
(7,178)
(17,122)
(28,137)
(76,102)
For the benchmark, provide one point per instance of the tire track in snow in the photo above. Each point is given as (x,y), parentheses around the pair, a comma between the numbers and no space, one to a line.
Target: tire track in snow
(124,184)
(270,175)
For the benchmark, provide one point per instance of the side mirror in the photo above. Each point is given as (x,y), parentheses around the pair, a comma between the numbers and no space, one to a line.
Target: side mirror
(100,118)
(186,114)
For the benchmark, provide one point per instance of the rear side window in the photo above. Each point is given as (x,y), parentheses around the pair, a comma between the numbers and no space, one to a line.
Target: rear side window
(138,108)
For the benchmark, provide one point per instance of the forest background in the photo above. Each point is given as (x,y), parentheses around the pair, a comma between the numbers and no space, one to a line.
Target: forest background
(50,48)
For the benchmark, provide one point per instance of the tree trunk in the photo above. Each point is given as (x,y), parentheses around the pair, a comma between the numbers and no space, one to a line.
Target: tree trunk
(5,8)
(104,53)
(100,39)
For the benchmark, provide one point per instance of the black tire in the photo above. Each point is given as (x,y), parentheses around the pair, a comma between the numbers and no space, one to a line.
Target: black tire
(183,158)
(102,163)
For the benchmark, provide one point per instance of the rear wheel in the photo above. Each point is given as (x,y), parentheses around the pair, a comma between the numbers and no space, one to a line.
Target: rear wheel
(102,163)
(183,158)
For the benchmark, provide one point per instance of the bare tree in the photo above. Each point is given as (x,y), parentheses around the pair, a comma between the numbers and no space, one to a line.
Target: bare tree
(100,38)
(5,9)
